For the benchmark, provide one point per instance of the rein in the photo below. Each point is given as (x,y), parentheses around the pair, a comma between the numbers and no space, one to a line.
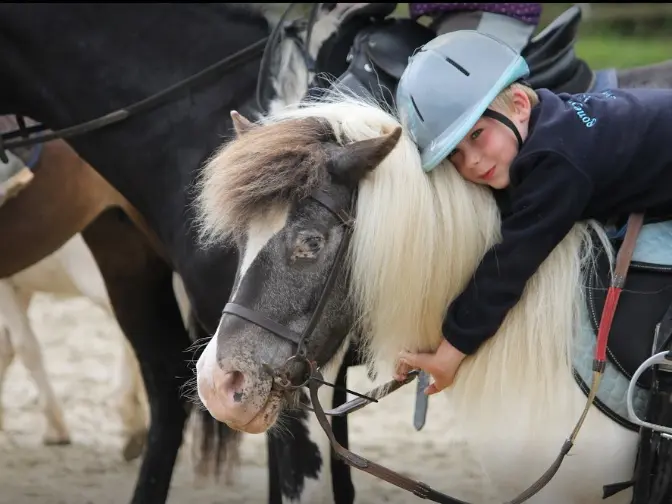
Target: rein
(264,47)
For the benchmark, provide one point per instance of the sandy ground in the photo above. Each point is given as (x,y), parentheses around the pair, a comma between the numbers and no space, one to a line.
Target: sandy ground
(81,346)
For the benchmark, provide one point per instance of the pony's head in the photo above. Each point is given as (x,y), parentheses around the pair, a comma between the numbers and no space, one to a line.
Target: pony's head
(281,191)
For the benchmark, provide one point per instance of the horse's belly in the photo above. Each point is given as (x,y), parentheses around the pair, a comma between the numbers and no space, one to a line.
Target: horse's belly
(47,275)
(70,271)
(514,456)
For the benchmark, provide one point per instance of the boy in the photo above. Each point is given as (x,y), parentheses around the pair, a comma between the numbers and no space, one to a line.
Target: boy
(561,159)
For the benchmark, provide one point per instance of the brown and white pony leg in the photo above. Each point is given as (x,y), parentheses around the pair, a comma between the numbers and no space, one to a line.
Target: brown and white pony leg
(131,403)
(78,267)
(26,346)
(6,358)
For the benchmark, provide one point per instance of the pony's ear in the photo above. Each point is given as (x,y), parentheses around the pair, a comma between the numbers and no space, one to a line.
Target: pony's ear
(240,123)
(350,163)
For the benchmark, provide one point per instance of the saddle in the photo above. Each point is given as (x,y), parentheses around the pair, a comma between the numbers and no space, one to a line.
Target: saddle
(643,304)
(380,51)
(552,59)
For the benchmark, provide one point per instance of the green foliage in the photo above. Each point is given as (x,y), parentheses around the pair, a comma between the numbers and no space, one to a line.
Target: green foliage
(622,52)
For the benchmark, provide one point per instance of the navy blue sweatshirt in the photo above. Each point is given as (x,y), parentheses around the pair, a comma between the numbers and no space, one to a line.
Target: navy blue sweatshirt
(587,156)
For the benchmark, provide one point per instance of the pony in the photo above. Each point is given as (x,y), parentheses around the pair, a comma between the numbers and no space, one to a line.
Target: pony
(416,239)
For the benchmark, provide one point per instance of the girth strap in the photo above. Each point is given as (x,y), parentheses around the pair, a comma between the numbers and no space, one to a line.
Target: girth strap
(262,321)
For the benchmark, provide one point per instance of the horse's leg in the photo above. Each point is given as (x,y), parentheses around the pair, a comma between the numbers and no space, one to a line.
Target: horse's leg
(139,284)
(341,474)
(296,462)
(131,401)
(129,395)
(299,456)
(27,347)
(41,220)
(6,357)
(303,466)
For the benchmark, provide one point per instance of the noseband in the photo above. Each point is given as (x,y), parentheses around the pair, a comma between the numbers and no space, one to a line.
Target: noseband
(281,375)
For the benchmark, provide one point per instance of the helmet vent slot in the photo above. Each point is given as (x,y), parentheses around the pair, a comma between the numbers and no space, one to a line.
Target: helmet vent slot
(458,66)
(417,110)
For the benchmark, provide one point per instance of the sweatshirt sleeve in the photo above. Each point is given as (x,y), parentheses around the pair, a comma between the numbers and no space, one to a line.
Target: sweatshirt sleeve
(549,200)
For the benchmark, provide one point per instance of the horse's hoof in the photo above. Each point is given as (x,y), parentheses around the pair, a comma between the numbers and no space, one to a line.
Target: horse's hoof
(56,440)
(56,433)
(135,445)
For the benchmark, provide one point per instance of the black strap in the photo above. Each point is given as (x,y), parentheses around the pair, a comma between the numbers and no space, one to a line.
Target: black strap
(330,204)
(506,122)
(262,321)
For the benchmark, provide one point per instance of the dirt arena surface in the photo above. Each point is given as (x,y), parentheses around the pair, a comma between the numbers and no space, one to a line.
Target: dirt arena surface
(81,347)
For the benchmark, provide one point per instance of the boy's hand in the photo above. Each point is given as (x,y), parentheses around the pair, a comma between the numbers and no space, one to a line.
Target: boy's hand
(442,365)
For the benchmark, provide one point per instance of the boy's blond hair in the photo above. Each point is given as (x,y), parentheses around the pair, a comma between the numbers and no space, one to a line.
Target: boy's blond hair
(504,100)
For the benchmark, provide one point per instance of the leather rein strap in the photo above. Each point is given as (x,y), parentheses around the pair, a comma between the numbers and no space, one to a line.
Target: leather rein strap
(249,53)
(623,259)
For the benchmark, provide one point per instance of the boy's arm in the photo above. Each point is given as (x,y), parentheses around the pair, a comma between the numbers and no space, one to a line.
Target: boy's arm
(550,199)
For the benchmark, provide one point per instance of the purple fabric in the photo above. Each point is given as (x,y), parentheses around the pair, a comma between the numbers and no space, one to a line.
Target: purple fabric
(526,12)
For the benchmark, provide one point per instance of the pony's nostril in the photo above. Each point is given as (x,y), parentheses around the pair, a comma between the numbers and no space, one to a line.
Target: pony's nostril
(233,384)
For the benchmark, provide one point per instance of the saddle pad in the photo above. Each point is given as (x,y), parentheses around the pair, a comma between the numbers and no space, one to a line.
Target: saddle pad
(646,297)
(611,396)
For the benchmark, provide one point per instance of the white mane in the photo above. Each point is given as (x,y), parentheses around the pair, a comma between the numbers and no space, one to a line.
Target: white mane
(418,238)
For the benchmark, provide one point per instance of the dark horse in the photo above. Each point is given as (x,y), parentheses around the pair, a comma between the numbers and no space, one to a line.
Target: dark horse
(63,65)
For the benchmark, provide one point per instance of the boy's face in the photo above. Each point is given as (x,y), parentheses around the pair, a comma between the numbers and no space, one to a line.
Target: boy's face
(485,154)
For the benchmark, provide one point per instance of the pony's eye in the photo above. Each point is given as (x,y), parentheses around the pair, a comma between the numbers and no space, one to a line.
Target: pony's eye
(307,245)
(313,243)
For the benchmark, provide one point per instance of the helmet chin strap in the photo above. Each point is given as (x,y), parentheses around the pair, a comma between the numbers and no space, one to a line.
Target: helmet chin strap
(506,122)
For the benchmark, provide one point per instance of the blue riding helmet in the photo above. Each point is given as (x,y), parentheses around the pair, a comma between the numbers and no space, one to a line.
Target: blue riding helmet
(447,86)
